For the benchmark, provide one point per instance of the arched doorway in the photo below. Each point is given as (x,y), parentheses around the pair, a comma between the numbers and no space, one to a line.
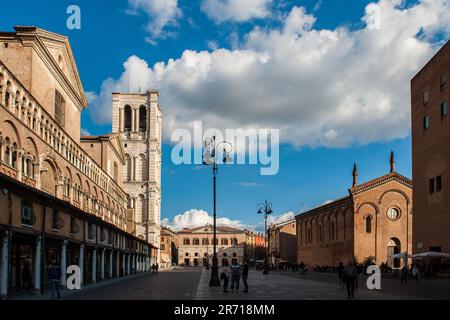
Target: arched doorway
(394,247)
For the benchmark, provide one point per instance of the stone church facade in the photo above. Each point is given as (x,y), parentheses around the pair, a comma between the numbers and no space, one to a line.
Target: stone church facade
(373,221)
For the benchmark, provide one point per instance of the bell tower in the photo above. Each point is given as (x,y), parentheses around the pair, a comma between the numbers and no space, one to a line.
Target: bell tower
(137,118)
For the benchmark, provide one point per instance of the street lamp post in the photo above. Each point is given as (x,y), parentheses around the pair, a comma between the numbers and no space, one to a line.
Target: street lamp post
(266,209)
(210,157)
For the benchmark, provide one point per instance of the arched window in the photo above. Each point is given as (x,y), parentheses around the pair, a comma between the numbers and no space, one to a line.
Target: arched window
(224,241)
(127,119)
(368,224)
(7,94)
(320,238)
(60,106)
(143,168)
(14,155)
(186,241)
(127,169)
(205,242)
(116,172)
(7,156)
(196,241)
(333,231)
(142,118)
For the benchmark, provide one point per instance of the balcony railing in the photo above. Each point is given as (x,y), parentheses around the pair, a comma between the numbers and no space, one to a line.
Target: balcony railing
(19,103)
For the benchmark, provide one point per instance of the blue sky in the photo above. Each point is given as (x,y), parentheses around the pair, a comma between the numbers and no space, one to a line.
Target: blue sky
(362,123)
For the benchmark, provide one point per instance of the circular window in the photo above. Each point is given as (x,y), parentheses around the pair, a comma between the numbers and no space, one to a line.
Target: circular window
(393,213)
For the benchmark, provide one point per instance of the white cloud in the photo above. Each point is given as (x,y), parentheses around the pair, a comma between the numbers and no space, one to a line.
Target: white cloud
(250,184)
(85,132)
(196,218)
(280,218)
(235,10)
(161,14)
(329,88)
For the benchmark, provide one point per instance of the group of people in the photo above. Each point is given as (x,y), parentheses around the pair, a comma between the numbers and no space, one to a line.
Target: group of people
(155,268)
(405,271)
(234,272)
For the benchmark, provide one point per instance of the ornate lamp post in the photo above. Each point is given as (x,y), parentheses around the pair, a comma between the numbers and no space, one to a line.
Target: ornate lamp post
(266,209)
(210,157)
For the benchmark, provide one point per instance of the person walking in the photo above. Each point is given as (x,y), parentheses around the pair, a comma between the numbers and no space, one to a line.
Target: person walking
(416,273)
(235,275)
(404,275)
(245,275)
(54,275)
(225,276)
(351,272)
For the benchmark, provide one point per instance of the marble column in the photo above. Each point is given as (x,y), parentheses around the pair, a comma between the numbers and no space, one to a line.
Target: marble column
(19,153)
(64,263)
(94,266)
(4,274)
(133,119)
(110,271)
(37,264)
(128,264)
(102,265)
(121,120)
(81,263)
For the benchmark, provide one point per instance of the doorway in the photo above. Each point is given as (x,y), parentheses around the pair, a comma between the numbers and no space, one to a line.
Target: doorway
(394,247)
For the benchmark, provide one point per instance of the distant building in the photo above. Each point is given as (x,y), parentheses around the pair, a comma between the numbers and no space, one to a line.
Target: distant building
(196,245)
(254,246)
(169,247)
(373,222)
(283,243)
(430,96)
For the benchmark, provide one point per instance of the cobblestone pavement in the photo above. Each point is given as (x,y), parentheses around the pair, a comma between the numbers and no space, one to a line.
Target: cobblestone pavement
(193,283)
(292,286)
(177,284)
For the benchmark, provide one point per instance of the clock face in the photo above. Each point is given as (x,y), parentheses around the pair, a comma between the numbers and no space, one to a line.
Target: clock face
(393,213)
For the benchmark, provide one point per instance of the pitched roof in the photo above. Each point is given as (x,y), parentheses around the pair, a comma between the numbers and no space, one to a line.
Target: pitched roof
(393,176)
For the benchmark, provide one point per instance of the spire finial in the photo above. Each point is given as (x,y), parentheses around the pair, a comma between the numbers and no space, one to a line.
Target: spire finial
(355,175)
(392,161)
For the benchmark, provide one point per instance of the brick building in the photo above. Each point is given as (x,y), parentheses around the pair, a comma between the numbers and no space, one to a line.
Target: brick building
(283,243)
(430,94)
(168,247)
(374,220)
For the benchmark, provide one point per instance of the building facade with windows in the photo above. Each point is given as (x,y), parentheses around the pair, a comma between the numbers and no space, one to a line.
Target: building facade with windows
(196,245)
(137,118)
(169,247)
(283,243)
(373,222)
(430,124)
(61,196)
(254,245)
